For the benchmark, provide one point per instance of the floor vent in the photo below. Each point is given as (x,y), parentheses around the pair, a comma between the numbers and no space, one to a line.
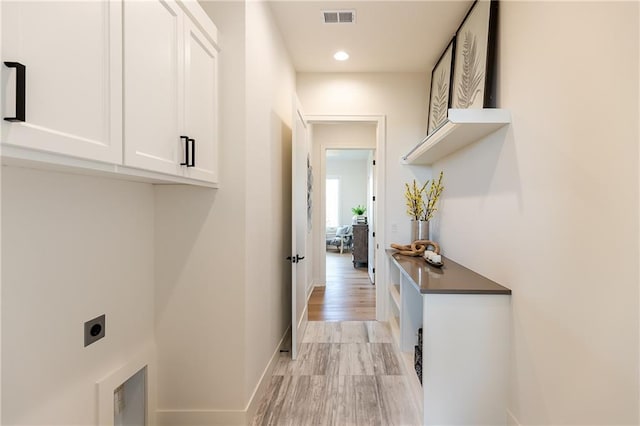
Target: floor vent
(339,16)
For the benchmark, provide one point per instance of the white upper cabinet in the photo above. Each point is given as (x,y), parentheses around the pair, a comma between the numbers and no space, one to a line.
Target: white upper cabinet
(201,94)
(153,69)
(124,87)
(170,92)
(72,53)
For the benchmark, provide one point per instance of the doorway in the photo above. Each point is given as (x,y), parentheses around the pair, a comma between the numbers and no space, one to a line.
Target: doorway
(344,150)
(348,293)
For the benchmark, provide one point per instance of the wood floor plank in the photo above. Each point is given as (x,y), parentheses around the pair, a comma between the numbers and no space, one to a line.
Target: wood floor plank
(316,359)
(395,407)
(353,332)
(385,360)
(359,401)
(322,332)
(378,332)
(309,400)
(355,359)
(347,295)
(333,383)
(270,409)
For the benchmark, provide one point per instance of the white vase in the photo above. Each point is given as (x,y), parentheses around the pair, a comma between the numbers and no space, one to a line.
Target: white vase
(419,230)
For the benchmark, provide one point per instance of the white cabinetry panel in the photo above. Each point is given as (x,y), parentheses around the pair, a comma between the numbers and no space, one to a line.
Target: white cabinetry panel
(153,69)
(201,103)
(73,57)
(113,86)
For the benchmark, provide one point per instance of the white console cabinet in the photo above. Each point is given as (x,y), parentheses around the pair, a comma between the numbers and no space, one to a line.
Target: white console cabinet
(465,320)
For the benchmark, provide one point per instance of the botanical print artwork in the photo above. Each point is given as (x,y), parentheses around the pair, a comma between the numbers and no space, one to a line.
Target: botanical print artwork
(440,90)
(472,74)
(473,85)
(440,104)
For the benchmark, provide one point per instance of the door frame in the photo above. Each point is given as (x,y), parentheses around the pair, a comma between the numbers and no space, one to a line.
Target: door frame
(379,191)
(299,269)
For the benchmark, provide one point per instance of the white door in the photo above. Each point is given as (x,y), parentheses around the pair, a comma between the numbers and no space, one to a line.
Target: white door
(201,123)
(154,72)
(299,188)
(371,217)
(72,53)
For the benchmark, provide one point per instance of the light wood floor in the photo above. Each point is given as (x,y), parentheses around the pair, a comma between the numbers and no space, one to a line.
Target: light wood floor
(347,373)
(348,294)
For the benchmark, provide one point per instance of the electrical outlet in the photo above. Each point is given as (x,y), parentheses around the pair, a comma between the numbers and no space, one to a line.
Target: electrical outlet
(94,330)
(394,227)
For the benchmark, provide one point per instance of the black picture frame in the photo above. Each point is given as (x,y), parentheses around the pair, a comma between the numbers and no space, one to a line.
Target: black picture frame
(440,92)
(474,76)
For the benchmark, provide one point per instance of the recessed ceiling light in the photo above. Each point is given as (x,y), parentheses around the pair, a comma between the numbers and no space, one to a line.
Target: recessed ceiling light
(341,56)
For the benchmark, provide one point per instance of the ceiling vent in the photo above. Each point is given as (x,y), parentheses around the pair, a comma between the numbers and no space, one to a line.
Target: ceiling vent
(339,16)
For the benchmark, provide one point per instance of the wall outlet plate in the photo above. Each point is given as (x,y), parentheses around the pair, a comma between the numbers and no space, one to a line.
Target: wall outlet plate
(94,330)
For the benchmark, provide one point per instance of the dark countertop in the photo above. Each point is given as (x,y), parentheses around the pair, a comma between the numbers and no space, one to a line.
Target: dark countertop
(452,278)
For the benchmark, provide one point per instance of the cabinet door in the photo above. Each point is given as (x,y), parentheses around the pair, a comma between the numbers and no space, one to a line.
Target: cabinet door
(201,107)
(72,52)
(153,72)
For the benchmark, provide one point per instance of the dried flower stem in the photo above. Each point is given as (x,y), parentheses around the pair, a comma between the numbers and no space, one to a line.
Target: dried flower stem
(419,208)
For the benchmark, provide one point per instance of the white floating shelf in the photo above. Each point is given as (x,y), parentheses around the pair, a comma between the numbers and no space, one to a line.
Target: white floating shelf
(463,127)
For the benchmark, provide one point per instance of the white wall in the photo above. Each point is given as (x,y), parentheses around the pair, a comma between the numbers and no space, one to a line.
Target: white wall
(201,254)
(402,99)
(549,208)
(73,247)
(223,282)
(352,174)
(270,93)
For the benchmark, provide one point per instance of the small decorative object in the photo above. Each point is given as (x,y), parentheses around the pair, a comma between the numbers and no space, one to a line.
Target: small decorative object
(473,72)
(416,248)
(422,205)
(440,94)
(358,212)
(419,230)
(433,258)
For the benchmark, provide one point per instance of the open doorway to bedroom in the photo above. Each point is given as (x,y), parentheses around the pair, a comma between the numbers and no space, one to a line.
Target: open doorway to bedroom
(344,286)
(349,292)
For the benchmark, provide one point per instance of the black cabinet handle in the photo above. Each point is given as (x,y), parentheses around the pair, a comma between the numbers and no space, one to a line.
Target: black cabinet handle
(21,91)
(189,152)
(299,258)
(186,151)
(193,152)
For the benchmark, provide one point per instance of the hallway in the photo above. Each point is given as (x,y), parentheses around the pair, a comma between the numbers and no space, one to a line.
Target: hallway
(348,294)
(347,373)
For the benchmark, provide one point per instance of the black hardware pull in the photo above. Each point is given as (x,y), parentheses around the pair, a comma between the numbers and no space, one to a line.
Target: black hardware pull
(193,152)
(299,258)
(186,150)
(291,259)
(21,91)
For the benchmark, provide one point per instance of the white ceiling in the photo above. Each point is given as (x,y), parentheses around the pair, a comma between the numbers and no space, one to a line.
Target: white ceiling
(388,36)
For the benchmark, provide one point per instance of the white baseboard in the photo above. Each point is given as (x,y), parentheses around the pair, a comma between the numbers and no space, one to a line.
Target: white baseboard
(263,383)
(224,417)
(511,419)
(309,289)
